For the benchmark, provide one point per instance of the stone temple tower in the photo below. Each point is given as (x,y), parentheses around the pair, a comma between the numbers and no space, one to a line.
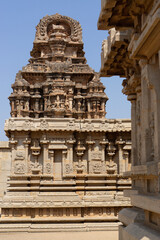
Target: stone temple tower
(67,159)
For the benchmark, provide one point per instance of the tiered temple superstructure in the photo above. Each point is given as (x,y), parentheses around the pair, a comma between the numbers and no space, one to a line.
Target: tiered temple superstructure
(132,50)
(67,159)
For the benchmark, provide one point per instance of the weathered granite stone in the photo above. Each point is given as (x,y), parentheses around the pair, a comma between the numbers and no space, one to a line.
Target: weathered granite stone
(67,159)
(133,51)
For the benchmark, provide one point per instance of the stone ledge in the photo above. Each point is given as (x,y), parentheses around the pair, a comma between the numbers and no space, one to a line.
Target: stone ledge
(35,227)
(4,144)
(129,192)
(130,215)
(114,51)
(151,168)
(137,231)
(149,203)
(70,124)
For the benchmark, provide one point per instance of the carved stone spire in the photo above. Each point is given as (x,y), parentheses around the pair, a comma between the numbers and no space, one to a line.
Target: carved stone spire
(57,82)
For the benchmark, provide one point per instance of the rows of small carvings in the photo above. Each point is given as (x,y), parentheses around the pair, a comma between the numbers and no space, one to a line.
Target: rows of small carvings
(29,159)
(60,212)
(57,67)
(48,124)
(26,201)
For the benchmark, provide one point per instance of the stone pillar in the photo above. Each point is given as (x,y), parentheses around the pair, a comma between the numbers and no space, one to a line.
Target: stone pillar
(132,98)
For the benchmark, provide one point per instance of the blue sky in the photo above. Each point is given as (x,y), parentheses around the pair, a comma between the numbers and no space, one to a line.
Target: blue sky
(18,21)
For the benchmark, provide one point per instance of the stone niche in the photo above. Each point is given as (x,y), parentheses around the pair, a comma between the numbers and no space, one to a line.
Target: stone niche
(67,159)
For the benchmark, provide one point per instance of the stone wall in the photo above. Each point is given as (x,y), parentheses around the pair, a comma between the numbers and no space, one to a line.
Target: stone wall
(5,166)
(133,51)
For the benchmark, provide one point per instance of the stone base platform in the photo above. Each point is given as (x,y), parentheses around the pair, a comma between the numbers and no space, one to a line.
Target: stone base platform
(94,231)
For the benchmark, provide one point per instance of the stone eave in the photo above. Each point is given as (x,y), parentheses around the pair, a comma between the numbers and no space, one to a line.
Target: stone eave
(114,52)
(111,15)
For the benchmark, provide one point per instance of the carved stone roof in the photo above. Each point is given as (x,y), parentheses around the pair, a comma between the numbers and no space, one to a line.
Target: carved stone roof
(58,82)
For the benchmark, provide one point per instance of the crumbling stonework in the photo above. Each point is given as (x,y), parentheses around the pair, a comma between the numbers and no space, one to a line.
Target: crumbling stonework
(133,51)
(67,159)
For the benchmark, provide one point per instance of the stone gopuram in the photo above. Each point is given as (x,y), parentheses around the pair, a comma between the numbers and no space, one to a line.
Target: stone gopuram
(67,159)
(132,50)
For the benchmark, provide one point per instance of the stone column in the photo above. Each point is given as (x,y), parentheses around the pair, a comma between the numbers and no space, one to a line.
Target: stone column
(132,98)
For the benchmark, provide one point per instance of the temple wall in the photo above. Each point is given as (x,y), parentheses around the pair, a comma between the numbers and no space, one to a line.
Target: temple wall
(67,159)
(5,166)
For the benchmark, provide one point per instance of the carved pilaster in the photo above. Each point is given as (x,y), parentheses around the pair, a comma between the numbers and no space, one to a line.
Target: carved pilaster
(111,166)
(121,164)
(47,167)
(90,144)
(13,144)
(126,154)
(64,158)
(36,168)
(69,161)
(103,146)
(26,143)
(80,152)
